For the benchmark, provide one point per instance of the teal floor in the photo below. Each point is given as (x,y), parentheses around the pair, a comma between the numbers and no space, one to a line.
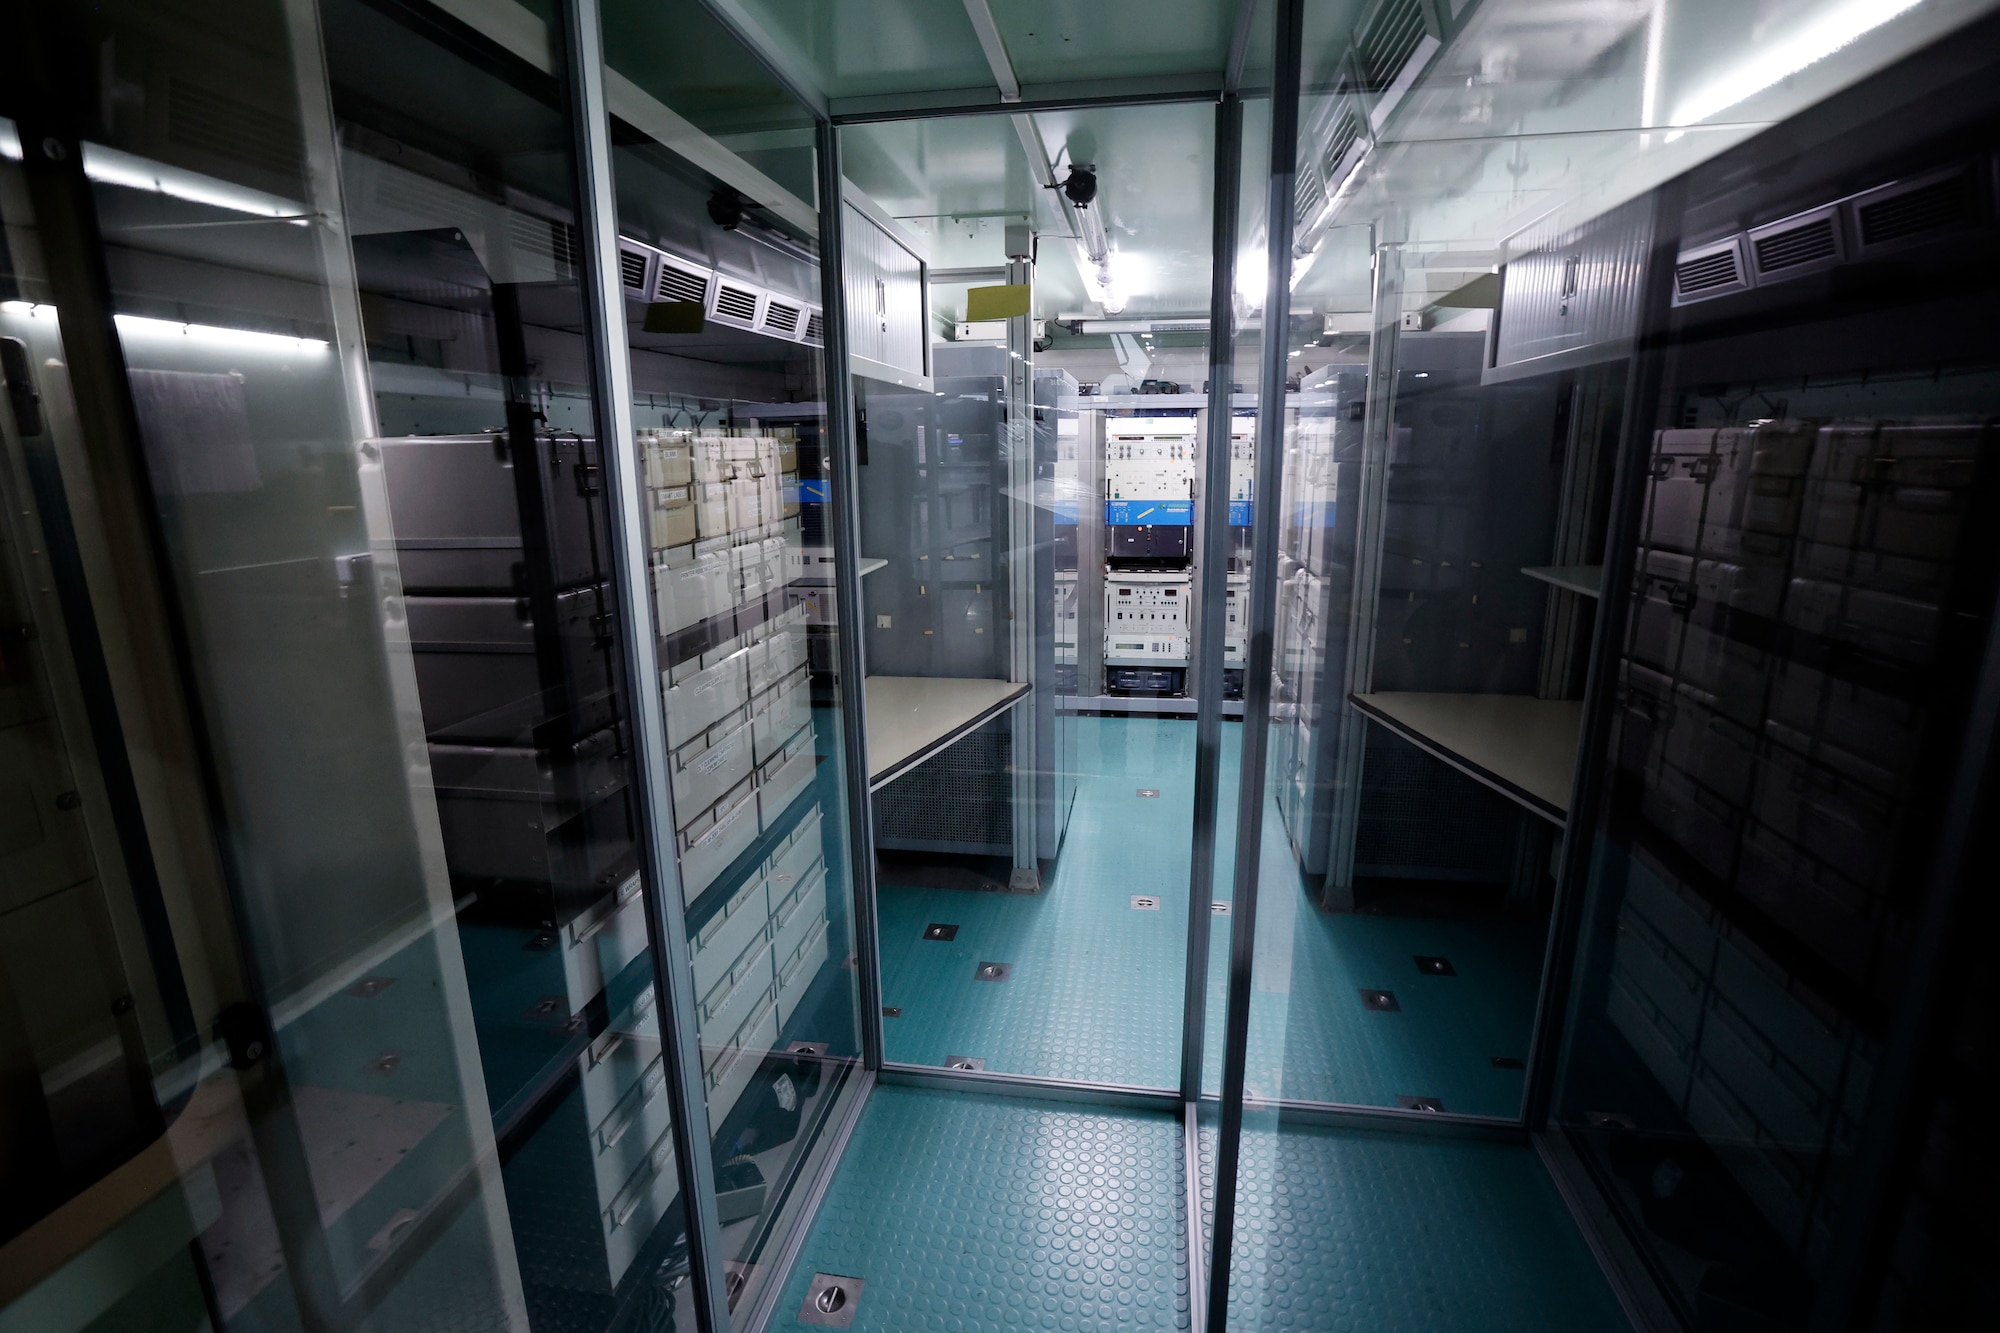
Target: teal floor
(1345,1231)
(969,1212)
(1095,988)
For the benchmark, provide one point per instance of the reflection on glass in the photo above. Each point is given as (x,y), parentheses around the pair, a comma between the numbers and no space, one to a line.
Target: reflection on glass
(1789,697)
(91,1010)
(719,255)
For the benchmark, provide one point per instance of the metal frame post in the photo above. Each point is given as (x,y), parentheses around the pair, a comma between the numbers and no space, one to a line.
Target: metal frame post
(1214,588)
(1025,759)
(1357,670)
(611,382)
(1644,379)
(845,507)
(1257,667)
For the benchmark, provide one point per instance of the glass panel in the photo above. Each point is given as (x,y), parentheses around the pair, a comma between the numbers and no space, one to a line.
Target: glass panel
(1252,251)
(1808,604)
(336,1141)
(723,313)
(92,1001)
(1405,883)
(1029,636)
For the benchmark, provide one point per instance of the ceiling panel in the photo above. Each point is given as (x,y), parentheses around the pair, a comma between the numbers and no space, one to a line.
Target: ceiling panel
(1067,41)
(862,48)
(958,181)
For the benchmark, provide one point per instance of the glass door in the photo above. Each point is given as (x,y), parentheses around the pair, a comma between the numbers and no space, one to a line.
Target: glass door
(1031,445)
(722,319)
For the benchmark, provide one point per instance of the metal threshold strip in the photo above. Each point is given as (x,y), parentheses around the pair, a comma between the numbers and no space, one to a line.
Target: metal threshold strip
(1029,1085)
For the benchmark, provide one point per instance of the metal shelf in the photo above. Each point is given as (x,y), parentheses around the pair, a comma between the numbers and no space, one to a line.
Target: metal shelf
(1585,579)
(1522,747)
(911,718)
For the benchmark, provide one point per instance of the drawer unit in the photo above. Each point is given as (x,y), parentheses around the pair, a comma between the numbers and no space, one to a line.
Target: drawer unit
(715,838)
(1683,464)
(730,1065)
(670,514)
(690,586)
(475,657)
(720,942)
(796,973)
(784,776)
(751,578)
(779,714)
(739,992)
(668,457)
(630,1215)
(565,776)
(793,914)
(710,765)
(621,1141)
(617,1057)
(600,944)
(794,862)
(522,839)
(702,695)
(457,511)
(711,508)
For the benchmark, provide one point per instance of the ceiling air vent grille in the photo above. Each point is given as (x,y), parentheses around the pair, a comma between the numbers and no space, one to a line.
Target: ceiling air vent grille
(781,319)
(1798,245)
(1906,210)
(1346,133)
(1801,245)
(1388,42)
(680,284)
(563,248)
(737,304)
(632,268)
(1711,271)
(214,122)
(1307,198)
(815,328)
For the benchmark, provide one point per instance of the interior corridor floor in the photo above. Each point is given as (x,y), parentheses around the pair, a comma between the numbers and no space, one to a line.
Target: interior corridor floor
(970,1212)
(1094,988)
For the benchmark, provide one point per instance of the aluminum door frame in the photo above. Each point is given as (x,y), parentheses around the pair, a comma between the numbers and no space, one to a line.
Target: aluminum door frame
(1212,602)
(666,923)
(1280,209)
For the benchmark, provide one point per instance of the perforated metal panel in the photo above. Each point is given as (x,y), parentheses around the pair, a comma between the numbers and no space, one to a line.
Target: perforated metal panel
(1421,819)
(1572,290)
(960,797)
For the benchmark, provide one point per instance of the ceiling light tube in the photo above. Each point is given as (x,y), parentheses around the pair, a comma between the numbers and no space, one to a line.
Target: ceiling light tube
(1824,35)
(215,335)
(109,166)
(1083,324)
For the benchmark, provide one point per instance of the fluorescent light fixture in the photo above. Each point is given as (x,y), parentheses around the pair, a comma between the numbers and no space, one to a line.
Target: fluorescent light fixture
(1252,272)
(109,166)
(1656,40)
(214,335)
(1832,30)
(28,309)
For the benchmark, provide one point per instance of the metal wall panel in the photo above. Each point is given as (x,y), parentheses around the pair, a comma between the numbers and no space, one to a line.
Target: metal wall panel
(885,296)
(1572,297)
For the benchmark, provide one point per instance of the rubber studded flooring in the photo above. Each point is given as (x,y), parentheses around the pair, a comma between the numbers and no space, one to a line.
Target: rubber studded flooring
(968,1212)
(1094,991)
(1343,1231)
